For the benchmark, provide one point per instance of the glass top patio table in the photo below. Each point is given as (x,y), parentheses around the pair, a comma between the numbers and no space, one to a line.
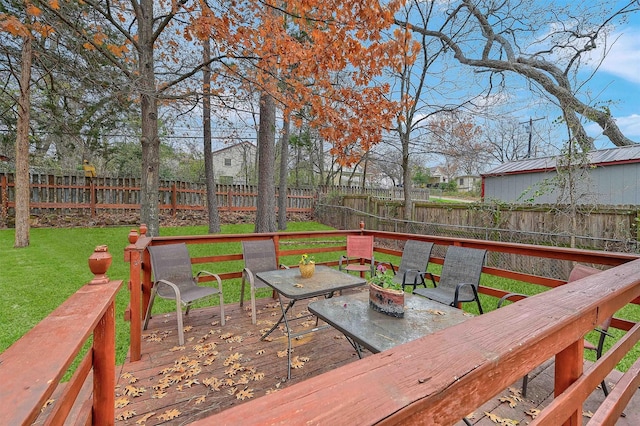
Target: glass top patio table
(376,331)
(290,284)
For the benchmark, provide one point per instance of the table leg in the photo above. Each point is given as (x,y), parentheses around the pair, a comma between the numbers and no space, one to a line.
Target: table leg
(282,318)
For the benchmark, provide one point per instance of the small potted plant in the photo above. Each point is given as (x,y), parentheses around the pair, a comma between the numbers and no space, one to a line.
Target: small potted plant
(307,266)
(385,295)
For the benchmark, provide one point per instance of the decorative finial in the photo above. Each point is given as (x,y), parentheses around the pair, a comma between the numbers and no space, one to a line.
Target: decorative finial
(99,263)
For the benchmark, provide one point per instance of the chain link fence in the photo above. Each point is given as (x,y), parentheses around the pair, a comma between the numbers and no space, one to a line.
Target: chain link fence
(348,218)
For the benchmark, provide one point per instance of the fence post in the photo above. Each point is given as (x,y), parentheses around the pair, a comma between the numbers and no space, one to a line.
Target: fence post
(92,197)
(4,198)
(229,199)
(174,199)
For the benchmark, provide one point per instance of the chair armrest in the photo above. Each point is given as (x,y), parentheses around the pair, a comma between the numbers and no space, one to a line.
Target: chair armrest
(461,285)
(433,280)
(342,259)
(211,274)
(175,288)
(516,296)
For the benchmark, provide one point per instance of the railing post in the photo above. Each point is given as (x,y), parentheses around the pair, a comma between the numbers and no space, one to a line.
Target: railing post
(568,368)
(132,255)
(104,346)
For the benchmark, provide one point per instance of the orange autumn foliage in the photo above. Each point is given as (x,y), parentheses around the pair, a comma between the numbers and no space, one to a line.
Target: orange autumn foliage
(319,56)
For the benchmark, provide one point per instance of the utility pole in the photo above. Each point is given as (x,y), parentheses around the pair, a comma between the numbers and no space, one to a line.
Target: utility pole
(531,120)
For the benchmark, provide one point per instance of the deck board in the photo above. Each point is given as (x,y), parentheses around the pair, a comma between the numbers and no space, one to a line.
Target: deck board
(265,371)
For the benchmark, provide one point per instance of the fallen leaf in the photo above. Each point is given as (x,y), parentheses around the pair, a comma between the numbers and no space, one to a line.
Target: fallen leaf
(232,359)
(122,402)
(511,401)
(159,394)
(144,419)
(169,415)
(257,376)
(533,413)
(134,391)
(188,328)
(588,414)
(501,421)
(177,348)
(298,285)
(244,394)
(126,415)
(47,403)
(200,399)
(260,352)
(436,312)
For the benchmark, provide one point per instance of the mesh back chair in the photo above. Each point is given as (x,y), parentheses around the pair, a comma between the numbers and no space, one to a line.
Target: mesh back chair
(173,279)
(459,278)
(359,250)
(259,256)
(578,271)
(413,264)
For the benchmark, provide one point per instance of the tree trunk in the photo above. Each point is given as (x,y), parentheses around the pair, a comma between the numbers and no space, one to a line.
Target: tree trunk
(406,177)
(284,161)
(22,148)
(212,202)
(149,189)
(266,208)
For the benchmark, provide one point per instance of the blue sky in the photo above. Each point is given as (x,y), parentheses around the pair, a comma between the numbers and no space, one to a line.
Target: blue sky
(618,80)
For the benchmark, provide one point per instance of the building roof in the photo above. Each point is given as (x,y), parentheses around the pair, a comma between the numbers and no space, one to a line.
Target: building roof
(601,157)
(226,148)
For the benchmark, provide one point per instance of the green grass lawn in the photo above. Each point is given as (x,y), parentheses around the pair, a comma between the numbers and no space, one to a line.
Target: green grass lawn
(37,279)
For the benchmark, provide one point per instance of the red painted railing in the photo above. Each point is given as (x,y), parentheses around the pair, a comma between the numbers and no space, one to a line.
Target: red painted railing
(31,369)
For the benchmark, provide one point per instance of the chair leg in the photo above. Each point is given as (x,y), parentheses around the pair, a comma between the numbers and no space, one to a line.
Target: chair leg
(222,319)
(525,383)
(179,319)
(242,291)
(147,315)
(253,306)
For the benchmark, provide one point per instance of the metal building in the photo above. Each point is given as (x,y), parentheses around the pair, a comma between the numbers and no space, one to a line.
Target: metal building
(608,177)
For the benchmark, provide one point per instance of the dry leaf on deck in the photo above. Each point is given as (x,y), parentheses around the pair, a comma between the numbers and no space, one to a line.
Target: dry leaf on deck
(47,403)
(122,402)
(126,415)
(159,394)
(188,328)
(200,399)
(134,391)
(144,419)
(169,415)
(588,414)
(533,413)
(225,336)
(257,376)
(512,402)
(231,359)
(436,312)
(260,352)
(499,420)
(298,285)
(177,348)
(243,394)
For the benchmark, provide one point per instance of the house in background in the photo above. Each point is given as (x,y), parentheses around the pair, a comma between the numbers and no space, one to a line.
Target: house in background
(234,164)
(465,183)
(468,183)
(612,178)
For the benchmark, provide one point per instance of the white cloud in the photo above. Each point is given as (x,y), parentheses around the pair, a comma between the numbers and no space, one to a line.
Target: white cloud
(623,59)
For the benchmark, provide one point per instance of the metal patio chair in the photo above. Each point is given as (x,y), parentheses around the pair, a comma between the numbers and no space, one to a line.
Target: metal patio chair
(259,256)
(174,279)
(359,252)
(459,279)
(578,271)
(413,264)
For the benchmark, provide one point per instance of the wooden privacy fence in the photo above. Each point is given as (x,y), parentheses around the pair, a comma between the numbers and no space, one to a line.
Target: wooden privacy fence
(79,194)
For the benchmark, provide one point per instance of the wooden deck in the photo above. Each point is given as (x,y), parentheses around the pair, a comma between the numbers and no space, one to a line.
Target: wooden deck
(220,367)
